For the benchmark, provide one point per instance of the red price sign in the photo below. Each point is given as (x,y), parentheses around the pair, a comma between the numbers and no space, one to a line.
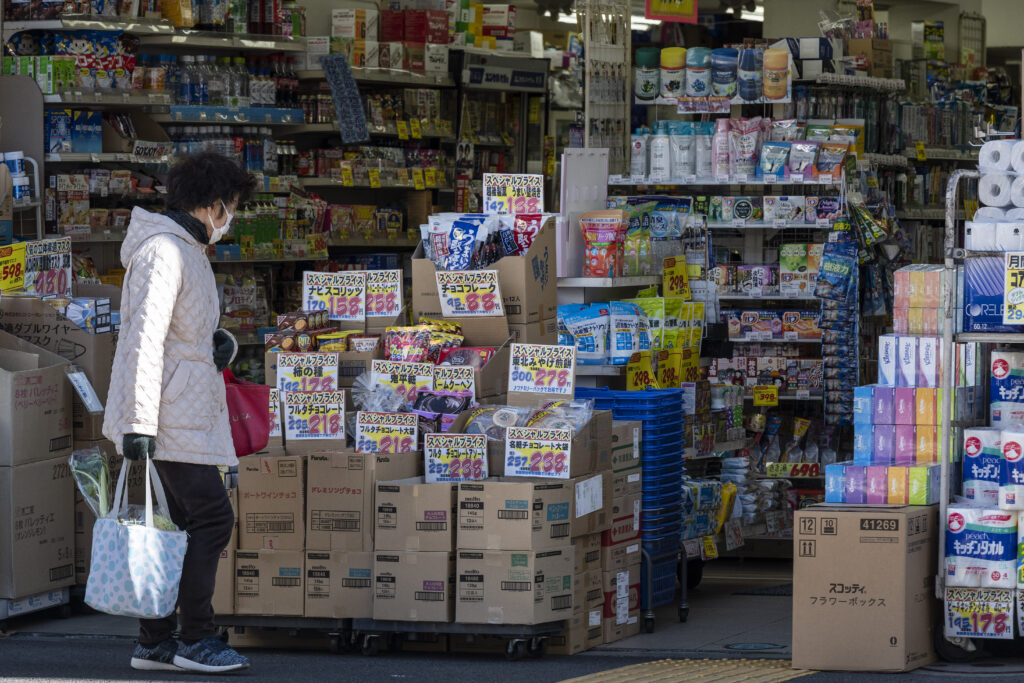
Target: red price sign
(534,452)
(383,293)
(794,470)
(48,267)
(469,293)
(979,613)
(342,295)
(307,372)
(314,415)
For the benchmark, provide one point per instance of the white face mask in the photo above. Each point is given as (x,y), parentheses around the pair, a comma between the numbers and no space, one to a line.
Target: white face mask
(218,233)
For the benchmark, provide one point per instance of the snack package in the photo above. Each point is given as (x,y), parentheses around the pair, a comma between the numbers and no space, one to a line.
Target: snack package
(601,236)
(589,328)
(449,326)
(774,160)
(831,156)
(802,158)
(475,356)
(784,130)
(818,130)
(407,343)
(493,421)
(744,146)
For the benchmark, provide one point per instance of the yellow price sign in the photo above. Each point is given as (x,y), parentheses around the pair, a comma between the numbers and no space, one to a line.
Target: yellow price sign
(542,369)
(538,452)
(402,176)
(430,177)
(278,247)
(12,267)
(1013,310)
(710,549)
(455,457)
(316,245)
(640,372)
(921,154)
(346,176)
(386,432)
(469,293)
(414,128)
(314,415)
(417,178)
(670,372)
(766,395)
(247,242)
(675,281)
(374,174)
(403,130)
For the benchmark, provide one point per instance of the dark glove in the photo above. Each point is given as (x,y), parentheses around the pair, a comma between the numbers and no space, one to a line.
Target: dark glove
(224,346)
(138,446)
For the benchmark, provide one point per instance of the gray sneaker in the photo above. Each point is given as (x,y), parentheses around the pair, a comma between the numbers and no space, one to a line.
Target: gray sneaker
(160,657)
(210,656)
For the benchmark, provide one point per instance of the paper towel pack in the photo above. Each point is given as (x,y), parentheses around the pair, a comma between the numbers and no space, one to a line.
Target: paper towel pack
(1011,470)
(1006,390)
(983,454)
(981,547)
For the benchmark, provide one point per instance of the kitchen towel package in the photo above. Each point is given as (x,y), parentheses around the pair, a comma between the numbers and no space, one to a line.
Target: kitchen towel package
(982,464)
(981,547)
(1011,470)
(1006,390)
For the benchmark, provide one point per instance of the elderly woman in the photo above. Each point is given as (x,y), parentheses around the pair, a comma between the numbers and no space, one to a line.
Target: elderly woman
(166,399)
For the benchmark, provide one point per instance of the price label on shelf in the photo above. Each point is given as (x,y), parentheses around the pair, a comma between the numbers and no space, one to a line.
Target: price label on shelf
(640,373)
(405,378)
(314,415)
(693,548)
(722,179)
(455,378)
(979,613)
(342,295)
(414,129)
(920,151)
(417,178)
(48,267)
(383,293)
(740,178)
(542,369)
(771,178)
(796,178)
(537,452)
(469,293)
(430,177)
(316,245)
(374,175)
(346,176)
(824,178)
(513,193)
(803,393)
(455,457)
(709,551)
(12,266)
(733,533)
(766,395)
(307,372)
(1013,311)
(402,176)
(403,130)
(385,432)
(793,470)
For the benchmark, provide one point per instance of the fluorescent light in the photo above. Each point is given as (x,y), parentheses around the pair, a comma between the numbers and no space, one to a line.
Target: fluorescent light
(567,18)
(756,15)
(645,21)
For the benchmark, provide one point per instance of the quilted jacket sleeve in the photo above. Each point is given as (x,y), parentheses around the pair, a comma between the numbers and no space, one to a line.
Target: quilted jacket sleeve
(154,283)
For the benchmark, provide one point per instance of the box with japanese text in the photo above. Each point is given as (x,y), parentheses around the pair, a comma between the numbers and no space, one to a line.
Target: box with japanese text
(271,502)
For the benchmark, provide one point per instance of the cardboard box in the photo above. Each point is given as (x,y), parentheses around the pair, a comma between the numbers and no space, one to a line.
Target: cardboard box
(620,555)
(877,51)
(625,521)
(269,582)
(224,588)
(528,288)
(573,639)
(413,515)
(587,553)
(591,503)
(514,587)
(413,586)
(887,554)
(340,495)
(496,514)
(271,501)
(540,332)
(37,528)
(589,452)
(588,590)
(627,483)
(339,585)
(355,23)
(35,404)
(627,439)
(621,612)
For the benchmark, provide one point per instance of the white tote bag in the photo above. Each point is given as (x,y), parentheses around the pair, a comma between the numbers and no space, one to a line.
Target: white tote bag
(135,567)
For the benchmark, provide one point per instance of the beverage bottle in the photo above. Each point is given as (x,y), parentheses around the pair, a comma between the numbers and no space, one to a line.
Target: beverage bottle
(238,17)
(293,84)
(172,74)
(201,82)
(185,75)
(242,82)
(269,152)
(269,89)
(214,83)
(255,16)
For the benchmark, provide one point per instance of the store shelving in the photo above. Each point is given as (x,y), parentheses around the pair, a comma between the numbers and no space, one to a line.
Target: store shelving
(244,116)
(94,98)
(211,40)
(776,341)
(767,297)
(944,154)
(137,26)
(743,225)
(608,282)
(104,157)
(428,132)
(392,77)
(624,181)
(926,214)
(323,181)
(990,337)
(600,370)
(268,259)
(866,82)
(26,204)
(359,241)
(695,453)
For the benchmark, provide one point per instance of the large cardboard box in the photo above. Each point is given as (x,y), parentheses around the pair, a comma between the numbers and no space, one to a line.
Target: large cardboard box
(620,543)
(514,586)
(529,291)
(580,635)
(621,603)
(37,528)
(877,51)
(340,495)
(539,332)
(269,582)
(413,515)
(588,590)
(35,403)
(271,499)
(497,514)
(883,562)
(628,483)
(587,553)
(627,440)
(339,585)
(591,503)
(224,586)
(589,452)
(413,586)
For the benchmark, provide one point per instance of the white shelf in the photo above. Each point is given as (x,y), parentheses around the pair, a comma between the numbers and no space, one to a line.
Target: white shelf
(913,214)
(600,370)
(387,77)
(136,26)
(770,297)
(791,397)
(105,157)
(185,38)
(621,181)
(331,182)
(991,337)
(943,154)
(608,282)
(109,97)
(24,205)
(767,226)
(869,82)
(775,341)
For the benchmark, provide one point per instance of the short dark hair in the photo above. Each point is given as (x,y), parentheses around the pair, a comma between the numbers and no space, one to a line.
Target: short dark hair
(203,179)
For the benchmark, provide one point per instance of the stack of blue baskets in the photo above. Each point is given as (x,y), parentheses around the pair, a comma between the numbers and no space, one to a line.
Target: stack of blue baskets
(661,514)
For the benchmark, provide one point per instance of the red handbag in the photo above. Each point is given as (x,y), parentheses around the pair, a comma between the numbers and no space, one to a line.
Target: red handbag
(249,410)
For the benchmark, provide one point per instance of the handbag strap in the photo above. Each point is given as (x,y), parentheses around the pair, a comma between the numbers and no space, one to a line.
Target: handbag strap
(119,490)
(153,486)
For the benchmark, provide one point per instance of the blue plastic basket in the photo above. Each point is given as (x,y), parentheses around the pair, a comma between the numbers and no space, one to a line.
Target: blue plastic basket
(656,500)
(664,484)
(659,545)
(662,588)
(661,520)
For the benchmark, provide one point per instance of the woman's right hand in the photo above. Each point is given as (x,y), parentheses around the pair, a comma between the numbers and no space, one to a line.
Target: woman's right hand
(138,446)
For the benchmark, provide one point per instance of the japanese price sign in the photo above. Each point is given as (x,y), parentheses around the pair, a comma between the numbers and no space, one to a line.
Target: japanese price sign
(407,378)
(460,378)
(1013,311)
(536,452)
(275,413)
(674,279)
(342,295)
(542,369)
(48,267)
(314,415)
(307,371)
(766,395)
(469,293)
(640,373)
(513,193)
(383,293)
(455,457)
(385,432)
(12,266)
(979,613)
(793,470)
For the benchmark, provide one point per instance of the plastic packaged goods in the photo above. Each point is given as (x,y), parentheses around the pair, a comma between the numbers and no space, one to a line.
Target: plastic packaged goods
(638,154)
(698,72)
(646,73)
(744,146)
(589,326)
(720,149)
(601,235)
(673,71)
(774,160)
(981,547)
(802,158)
(776,73)
(703,152)
(724,72)
(682,141)
(660,149)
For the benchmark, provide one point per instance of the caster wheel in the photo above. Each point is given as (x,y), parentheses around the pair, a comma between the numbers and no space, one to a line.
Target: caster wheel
(515,650)
(684,614)
(538,647)
(338,644)
(371,646)
(648,624)
(949,652)
(395,642)
(64,611)
(694,573)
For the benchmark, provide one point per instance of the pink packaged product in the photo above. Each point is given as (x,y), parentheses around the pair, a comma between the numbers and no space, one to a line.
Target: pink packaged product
(877,484)
(904,407)
(905,445)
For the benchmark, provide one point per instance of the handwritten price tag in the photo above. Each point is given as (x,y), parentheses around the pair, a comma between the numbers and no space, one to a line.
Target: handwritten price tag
(793,470)
(342,295)
(417,179)
(513,193)
(48,267)
(307,372)
(314,415)
(383,293)
(414,128)
(709,549)
(533,452)
(403,130)
(979,613)
(674,279)
(374,174)
(542,369)
(766,395)
(407,378)
(733,532)
(1013,311)
(455,457)
(275,412)
(346,176)
(12,266)
(455,378)
(919,150)
(316,245)
(469,293)
(385,432)
(430,177)
(640,373)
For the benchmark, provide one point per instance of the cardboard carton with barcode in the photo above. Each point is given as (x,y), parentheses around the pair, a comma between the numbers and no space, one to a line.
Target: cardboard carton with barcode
(514,586)
(269,582)
(339,585)
(520,514)
(410,514)
(271,502)
(413,585)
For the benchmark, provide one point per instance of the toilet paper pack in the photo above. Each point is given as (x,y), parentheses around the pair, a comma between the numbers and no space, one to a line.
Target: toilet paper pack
(981,547)
(982,463)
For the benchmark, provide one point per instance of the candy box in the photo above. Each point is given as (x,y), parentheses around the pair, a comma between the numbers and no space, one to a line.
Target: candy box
(755,325)
(793,269)
(758,280)
(822,209)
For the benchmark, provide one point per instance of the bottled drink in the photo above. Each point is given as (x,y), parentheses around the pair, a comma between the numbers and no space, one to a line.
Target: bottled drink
(172,74)
(215,82)
(200,83)
(269,152)
(270,90)
(238,16)
(185,76)
(241,82)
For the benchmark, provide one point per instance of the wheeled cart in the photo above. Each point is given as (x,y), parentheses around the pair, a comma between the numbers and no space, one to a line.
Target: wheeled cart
(60,599)
(658,575)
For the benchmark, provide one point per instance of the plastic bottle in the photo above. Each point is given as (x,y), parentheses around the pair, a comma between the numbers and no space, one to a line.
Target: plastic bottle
(241,82)
(681,137)
(237,20)
(703,136)
(646,73)
(749,74)
(723,71)
(269,89)
(776,73)
(661,154)
(184,92)
(215,86)
(638,154)
(698,72)
(720,149)
(201,82)
(673,71)
(774,452)
(269,152)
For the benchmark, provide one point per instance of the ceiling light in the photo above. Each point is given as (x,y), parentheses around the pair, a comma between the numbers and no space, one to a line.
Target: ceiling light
(756,15)
(567,18)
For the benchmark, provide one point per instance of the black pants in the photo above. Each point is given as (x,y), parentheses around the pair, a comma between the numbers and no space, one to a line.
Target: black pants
(199,505)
